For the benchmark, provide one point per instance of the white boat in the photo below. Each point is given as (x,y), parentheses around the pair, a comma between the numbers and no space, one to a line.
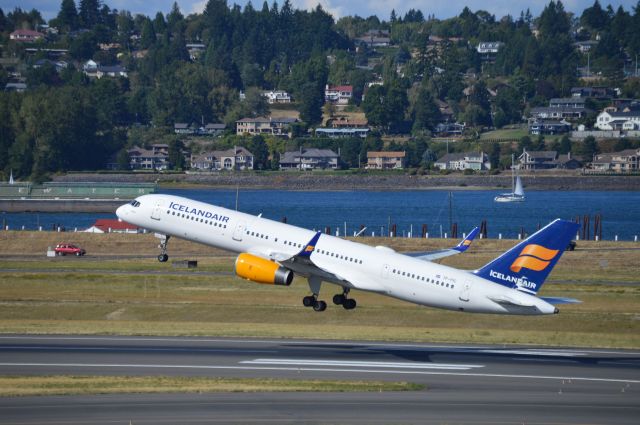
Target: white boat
(517,192)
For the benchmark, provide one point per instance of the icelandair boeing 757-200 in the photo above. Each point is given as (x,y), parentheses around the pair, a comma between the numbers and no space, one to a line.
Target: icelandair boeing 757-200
(271,252)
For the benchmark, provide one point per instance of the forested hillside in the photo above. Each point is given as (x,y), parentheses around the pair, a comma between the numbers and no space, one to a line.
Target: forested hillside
(192,69)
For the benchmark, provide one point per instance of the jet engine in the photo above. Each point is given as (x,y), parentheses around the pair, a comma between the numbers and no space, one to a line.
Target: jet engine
(262,271)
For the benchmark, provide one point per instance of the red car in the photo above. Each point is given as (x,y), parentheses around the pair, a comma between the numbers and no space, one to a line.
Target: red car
(70,249)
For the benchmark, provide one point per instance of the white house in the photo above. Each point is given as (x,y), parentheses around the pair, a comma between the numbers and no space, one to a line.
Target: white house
(338,94)
(277,96)
(608,120)
(464,161)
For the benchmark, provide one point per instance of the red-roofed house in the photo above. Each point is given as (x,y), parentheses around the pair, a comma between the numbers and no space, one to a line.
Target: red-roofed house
(107,225)
(338,94)
(28,36)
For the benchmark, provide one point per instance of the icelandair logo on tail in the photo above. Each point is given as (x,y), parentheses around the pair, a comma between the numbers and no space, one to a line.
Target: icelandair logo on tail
(534,257)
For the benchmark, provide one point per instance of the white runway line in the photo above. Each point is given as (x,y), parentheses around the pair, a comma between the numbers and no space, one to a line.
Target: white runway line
(316,369)
(339,363)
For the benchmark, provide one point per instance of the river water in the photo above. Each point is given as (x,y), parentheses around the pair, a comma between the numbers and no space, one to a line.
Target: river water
(409,210)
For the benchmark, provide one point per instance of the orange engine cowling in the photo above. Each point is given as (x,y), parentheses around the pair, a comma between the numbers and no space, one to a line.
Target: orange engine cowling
(263,271)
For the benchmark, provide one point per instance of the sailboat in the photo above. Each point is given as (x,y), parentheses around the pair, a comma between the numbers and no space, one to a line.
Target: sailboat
(517,192)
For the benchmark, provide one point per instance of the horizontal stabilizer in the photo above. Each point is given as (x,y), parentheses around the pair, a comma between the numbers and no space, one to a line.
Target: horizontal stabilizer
(560,300)
(458,249)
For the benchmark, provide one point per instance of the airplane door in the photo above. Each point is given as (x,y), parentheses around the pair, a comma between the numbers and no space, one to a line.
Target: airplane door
(156,212)
(237,234)
(464,293)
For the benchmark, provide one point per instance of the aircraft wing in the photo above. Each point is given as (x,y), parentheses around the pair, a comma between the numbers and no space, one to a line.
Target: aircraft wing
(458,249)
(301,263)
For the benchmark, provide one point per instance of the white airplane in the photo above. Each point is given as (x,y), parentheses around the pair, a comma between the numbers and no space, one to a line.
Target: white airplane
(271,252)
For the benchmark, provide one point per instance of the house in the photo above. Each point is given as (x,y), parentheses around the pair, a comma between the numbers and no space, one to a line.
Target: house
(538,160)
(111,71)
(338,94)
(156,158)
(445,129)
(570,108)
(464,161)
(374,38)
(596,92)
(263,125)
(346,122)
(106,225)
(625,161)
(341,132)
(618,120)
(277,96)
(568,162)
(544,126)
(237,158)
(17,87)
(386,160)
(26,36)
(212,129)
(183,128)
(585,46)
(309,159)
(489,49)
(58,65)
(195,50)
(568,102)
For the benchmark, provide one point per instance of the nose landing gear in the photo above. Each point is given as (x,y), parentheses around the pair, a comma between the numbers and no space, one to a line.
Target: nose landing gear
(164,240)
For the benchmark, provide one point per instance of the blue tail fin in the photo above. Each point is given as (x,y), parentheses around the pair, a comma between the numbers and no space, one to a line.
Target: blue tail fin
(527,265)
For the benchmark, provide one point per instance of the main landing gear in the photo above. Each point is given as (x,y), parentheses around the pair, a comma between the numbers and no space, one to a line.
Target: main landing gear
(164,240)
(312,301)
(319,305)
(346,303)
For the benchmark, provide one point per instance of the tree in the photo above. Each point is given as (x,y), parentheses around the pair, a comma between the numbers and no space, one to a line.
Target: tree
(67,18)
(89,13)
(258,147)
(425,112)
(176,157)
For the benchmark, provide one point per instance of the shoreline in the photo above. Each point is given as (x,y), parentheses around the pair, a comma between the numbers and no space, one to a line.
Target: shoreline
(331,181)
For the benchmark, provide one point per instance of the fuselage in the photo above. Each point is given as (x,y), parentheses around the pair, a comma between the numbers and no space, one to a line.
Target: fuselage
(349,264)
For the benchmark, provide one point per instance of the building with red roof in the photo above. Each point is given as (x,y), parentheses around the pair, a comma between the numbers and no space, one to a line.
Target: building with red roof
(107,225)
(27,36)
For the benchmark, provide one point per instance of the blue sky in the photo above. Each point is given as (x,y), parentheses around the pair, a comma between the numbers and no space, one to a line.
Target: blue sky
(382,8)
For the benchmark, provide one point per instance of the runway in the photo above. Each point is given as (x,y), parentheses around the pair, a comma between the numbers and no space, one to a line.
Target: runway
(465,384)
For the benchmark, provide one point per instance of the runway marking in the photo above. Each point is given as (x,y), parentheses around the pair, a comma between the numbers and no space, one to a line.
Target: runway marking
(338,363)
(311,369)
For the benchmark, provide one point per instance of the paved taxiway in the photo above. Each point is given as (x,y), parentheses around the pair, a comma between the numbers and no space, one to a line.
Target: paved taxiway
(465,384)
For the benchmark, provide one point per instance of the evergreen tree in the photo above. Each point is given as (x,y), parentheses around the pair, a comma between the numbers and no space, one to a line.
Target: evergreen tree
(89,13)
(67,18)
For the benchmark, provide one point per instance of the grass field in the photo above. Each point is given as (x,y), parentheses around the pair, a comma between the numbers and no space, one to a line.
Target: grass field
(23,386)
(116,290)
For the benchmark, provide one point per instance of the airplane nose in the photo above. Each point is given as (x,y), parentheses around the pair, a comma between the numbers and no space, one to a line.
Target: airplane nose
(120,211)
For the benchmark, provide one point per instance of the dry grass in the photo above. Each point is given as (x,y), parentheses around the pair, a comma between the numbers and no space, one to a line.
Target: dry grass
(20,386)
(107,295)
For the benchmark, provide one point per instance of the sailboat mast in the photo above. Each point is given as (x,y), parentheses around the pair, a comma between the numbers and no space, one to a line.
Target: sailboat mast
(513,174)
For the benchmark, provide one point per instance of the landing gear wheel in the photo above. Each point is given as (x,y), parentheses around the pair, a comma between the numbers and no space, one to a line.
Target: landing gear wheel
(309,301)
(349,304)
(320,306)
(164,240)
(339,299)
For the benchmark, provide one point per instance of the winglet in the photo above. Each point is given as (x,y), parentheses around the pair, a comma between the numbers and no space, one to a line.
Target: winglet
(308,249)
(466,242)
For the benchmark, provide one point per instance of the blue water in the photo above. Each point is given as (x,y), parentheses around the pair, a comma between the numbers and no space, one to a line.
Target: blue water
(620,211)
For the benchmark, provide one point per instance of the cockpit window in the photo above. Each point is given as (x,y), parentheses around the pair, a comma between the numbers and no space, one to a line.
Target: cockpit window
(134,203)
